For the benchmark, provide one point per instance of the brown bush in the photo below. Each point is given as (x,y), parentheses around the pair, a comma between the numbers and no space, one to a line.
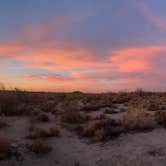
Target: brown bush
(102,130)
(8,104)
(91,128)
(74,117)
(37,132)
(43,117)
(39,146)
(161,117)
(54,131)
(138,119)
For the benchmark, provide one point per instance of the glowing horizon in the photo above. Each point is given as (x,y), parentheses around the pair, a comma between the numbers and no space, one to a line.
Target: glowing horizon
(90,46)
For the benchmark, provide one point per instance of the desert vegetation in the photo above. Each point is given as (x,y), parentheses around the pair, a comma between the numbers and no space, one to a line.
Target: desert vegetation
(44,118)
(39,146)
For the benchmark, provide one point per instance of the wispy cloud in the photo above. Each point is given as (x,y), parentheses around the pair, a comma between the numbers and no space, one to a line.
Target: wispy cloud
(150,16)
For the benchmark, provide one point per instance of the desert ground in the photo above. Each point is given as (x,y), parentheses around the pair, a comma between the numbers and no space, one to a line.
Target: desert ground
(81,129)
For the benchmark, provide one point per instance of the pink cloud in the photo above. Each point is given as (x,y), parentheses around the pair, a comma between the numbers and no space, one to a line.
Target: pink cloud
(129,67)
(136,59)
(46,77)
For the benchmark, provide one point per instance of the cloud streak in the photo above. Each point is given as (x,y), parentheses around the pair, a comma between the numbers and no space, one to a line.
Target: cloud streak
(157,21)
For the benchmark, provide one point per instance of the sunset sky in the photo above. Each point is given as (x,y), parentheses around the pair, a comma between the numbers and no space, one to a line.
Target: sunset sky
(86,45)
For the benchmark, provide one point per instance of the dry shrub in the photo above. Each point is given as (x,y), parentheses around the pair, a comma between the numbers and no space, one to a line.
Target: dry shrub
(91,128)
(161,117)
(4,148)
(121,97)
(15,102)
(156,106)
(3,123)
(153,107)
(138,119)
(109,111)
(43,117)
(140,92)
(31,127)
(74,117)
(100,117)
(37,132)
(54,131)
(102,130)
(39,146)
(8,104)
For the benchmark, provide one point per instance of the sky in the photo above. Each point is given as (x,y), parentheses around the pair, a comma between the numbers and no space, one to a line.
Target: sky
(85,45)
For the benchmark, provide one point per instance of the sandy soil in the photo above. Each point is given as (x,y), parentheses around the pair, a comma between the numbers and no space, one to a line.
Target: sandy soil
(136,149)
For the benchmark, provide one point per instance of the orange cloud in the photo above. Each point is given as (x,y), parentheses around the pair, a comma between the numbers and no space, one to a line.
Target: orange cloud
(46,77)
(57,56)
(136,59)
(51,82)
